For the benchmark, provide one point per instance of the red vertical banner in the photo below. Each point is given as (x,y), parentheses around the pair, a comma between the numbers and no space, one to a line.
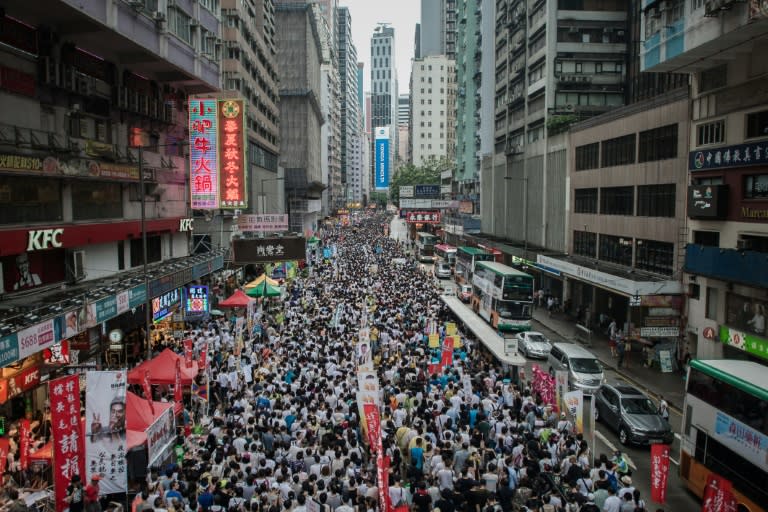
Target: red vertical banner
(177,382)
(232,154)
(3,455)
(433,368)
(373,421)
(203,356)
(717,494)
(659,472)
(446,357)
(188,352)
(148,391)
(24,443)
(382,474)
(66,428)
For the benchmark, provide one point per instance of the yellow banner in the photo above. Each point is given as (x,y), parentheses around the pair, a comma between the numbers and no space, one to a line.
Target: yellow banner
(434,340)
(450,328)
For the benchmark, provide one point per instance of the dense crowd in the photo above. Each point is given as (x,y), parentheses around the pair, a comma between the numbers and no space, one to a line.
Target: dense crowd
(282,429)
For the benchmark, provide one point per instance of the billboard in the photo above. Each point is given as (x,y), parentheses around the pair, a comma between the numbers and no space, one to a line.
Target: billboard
(381,148)
(217,154)
(264,250)
(264,223)
(425,217)
(196,301)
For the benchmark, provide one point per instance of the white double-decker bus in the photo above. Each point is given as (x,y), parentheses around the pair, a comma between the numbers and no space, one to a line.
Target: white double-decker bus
(503,296)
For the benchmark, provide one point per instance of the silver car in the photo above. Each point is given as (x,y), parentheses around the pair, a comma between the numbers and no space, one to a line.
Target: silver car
(533,344)
(632,414)
(442,270)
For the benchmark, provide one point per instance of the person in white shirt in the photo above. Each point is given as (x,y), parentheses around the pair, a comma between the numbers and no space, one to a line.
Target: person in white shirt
(613,502)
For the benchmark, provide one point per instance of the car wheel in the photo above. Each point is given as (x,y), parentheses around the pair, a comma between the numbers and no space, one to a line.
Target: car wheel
(623,436)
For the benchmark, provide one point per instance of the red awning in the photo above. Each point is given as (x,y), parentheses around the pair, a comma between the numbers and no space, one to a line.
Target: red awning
(162,370)
(237,300)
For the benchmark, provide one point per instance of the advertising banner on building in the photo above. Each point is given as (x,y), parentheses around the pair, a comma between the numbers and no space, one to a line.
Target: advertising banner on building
(232,154)
(66,428)
(718,495)
(196,300)
(36,338)
(24,435)
(265,223)
(105,429)
(381,148)
(32,268)
(203,154)
(659,472)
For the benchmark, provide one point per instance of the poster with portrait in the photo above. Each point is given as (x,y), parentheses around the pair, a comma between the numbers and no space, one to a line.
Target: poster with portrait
(105,429)
(29,270)
(364,356)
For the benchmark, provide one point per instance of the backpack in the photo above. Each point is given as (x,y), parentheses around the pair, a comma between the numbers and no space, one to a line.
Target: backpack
(612,480)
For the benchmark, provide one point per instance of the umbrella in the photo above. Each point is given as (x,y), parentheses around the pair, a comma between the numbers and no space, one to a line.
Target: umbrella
(217,312)
(236,300)
(259,280)
(264,289)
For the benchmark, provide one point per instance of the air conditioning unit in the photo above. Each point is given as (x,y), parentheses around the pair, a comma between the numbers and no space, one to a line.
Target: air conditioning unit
(743,245)
(76,266)
(194,23)
(159,16)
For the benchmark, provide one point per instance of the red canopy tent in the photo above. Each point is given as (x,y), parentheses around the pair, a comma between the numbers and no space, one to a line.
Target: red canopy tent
(237,300)
(162,370)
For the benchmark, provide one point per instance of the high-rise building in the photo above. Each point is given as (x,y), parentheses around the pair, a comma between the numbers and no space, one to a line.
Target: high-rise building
(433,92)
(417,42)
(300,59)
(96,161)
(249,70)
(384,91)
(403,109)
(438,37)
(350,107)
(722,46)
(361,95)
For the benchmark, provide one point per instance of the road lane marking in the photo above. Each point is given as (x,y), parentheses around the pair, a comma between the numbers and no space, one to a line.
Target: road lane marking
(611,447)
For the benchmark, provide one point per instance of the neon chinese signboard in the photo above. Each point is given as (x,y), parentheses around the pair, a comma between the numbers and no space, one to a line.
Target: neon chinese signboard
(196,302)
(203,154)
(232,154)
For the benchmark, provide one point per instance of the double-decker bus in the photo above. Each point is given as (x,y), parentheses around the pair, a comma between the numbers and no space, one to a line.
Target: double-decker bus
(498,256)
(503,296)
(447,253)
(466,259)
(725,429)
(425,246)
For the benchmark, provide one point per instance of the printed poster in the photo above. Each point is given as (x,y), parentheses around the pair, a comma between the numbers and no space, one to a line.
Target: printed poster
(105,429)
(574,407)
(66,428)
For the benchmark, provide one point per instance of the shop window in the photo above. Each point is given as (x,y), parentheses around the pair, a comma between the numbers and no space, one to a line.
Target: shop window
(617,201)
(616,249)
(585,243)
(585,200)
(588,156)
(96,200)
(27,199)
(656,200)
(154,252)
(656,257)
(618,151)
(757,124)
(745,313)
(756,186)
(712,300)
(708,238)
(658,144)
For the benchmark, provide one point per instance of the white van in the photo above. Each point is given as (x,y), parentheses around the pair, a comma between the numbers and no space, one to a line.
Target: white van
(584,370)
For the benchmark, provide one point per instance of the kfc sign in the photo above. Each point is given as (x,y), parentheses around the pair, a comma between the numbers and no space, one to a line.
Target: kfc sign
(186,225)
(38,239)
(425,217)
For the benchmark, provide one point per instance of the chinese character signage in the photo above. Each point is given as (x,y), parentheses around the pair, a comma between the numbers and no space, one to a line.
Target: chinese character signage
(66,428)
(159,435)
(105,430)
(165,304)
(659,472)
(426,191)
(264,250)
(740,155)
(232,192)
(9,349)
(203,154)
(718,495)
(196,301)
(36,338)
(269,223)
(425,217)
(741,438)
(381,147)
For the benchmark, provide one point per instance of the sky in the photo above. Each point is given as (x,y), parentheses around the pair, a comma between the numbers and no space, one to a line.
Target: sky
(402,16)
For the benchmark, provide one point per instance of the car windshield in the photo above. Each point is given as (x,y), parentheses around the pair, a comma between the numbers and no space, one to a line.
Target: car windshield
(639,405)
(585,366)
(537,338)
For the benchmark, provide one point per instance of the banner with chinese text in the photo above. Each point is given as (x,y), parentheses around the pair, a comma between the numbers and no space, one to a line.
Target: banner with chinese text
(66,428)
(160,435)
(659,472)
(105,429)
(718,495)
(232,157)
(203,154)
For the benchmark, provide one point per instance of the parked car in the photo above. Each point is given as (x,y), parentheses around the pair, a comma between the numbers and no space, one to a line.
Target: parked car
(584,370)
(633,415)
(442,270)
(465,293)
(533,344)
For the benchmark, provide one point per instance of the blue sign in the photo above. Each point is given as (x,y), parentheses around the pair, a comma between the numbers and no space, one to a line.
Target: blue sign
(382,164)
(137,296)
(426,191)
(106,309)
(196,302)
(165,304)
(740,155)
(9,349)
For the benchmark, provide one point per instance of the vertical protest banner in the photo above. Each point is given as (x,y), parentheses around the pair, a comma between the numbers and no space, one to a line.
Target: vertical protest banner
(4,444)
(446,357)
(561,388)
(177,382)
(66,429)
(188,353)
(717,494)
(105,447)
(373,421)
(24,444)
(574,407)
(204,356)
(659,472)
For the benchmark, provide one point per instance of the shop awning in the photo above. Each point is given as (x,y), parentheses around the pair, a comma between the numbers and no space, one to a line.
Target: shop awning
(237,300)
(258,282)
(162,370)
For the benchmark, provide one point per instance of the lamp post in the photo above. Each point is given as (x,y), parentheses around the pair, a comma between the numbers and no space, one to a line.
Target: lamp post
(525,212)
(263,197)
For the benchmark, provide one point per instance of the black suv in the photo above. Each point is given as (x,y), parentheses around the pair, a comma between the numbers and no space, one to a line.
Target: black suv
(632,414)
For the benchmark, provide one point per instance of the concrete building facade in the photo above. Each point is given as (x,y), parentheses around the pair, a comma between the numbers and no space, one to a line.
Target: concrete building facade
(384,88)
(350,105)
(438,36)
(433,92)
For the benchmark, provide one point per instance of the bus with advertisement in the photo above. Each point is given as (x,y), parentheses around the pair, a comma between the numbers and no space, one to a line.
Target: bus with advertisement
(503,296)
(425,246)
(466,259)
(446,253)
(725,429)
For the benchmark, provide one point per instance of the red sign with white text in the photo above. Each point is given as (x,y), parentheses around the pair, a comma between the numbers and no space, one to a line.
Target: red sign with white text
(24,443)
(188,352)
(66,428)
(718,495)
(4,443)
(373,422)
(659,472)
(203,356)
(177,382)
(232,154)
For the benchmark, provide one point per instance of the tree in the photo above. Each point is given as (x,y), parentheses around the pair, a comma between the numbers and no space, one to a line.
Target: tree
(426,174)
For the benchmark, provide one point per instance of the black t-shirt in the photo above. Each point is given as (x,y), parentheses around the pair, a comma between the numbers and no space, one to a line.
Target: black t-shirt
(76,501)
(423,500)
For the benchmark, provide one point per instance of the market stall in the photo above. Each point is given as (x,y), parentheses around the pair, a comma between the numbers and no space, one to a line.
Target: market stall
(263,286)
(237,300)
(162,370)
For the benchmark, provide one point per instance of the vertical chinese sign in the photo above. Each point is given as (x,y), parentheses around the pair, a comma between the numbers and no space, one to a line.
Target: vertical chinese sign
(66,428)
(232,192)
(203,154)
(105,430)
(659,472)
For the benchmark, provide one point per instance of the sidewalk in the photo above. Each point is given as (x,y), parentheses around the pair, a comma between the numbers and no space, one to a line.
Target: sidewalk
(650,380)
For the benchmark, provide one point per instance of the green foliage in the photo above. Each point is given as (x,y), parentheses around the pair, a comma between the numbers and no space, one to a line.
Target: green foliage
(558,124)
(379,198)
(409,174)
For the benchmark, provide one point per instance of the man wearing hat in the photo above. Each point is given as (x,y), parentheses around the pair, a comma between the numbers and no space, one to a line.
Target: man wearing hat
(626,481)
(92,503)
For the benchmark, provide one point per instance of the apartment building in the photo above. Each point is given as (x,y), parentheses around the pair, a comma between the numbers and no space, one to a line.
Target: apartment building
(438,36)
(433,92)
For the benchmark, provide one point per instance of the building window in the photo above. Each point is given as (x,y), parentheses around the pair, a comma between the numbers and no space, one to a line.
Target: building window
(617,201)
(757,124)
(179,23)
(96,200)
(756,186)
(154,252)
(714,78)
(27,199)
(708,238)
(712,300)
(618,151)
(616,249)
(658,144)
(588,156)
(656,257)
(710,133)
(585,243)
(656,200)
(585,200)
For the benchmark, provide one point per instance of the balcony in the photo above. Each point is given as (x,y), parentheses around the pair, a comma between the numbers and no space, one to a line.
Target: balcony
(746,267)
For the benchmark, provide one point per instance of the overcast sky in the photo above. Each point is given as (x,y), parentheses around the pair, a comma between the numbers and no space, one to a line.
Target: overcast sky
(402,15)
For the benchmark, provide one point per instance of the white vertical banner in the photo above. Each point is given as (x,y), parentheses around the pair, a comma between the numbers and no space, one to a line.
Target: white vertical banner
(105,430)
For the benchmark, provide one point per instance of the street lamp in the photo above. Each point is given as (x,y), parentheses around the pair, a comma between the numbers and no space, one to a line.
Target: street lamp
(263,197)
(525,212)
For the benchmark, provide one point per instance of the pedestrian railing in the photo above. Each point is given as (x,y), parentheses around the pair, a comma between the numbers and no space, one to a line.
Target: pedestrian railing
(583,335)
